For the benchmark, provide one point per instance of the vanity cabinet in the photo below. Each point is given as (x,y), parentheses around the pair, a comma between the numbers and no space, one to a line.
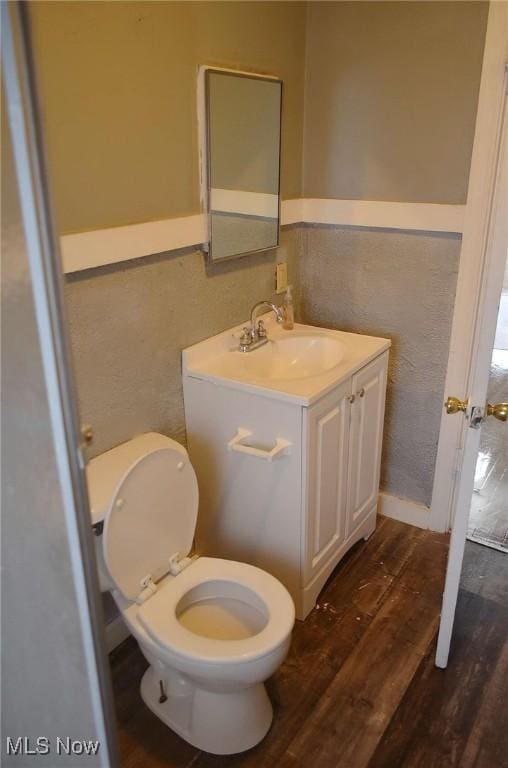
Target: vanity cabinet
(325,476)
(367,416)
(287,486)
(343,440)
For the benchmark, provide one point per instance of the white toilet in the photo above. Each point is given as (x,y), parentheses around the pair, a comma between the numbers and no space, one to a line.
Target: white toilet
(212,630)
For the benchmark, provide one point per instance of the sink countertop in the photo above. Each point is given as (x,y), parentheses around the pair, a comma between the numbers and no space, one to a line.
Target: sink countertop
(209,358)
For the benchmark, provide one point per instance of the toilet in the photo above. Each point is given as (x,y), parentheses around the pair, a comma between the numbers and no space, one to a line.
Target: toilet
(212,630)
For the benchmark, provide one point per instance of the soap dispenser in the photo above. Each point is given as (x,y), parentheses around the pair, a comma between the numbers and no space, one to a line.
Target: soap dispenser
(289,311)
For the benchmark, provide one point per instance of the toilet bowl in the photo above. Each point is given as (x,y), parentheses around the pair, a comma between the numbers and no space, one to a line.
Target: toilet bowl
(212,630)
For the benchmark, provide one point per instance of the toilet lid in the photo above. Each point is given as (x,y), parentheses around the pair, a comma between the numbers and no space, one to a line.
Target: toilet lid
(152,517)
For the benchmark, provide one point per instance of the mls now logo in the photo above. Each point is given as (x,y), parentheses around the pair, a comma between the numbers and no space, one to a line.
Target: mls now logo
(42,745)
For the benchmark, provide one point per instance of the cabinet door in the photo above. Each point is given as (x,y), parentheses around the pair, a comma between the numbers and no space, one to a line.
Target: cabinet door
(367,414)
(327,453)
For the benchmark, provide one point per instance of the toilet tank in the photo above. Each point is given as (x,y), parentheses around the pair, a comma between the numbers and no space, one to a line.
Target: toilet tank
(104,474)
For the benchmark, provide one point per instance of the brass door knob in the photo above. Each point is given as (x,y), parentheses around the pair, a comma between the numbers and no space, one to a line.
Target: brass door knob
(454,405)
(498,411)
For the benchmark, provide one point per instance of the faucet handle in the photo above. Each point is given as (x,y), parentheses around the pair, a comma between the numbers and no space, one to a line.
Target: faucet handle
(246,336)
(245,340)
(261,330)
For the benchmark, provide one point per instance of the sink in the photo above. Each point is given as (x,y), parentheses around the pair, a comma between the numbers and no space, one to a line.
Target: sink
(300,365)
(285,358)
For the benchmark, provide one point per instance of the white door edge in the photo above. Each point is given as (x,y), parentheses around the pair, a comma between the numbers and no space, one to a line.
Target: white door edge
(463,346)
(494,254)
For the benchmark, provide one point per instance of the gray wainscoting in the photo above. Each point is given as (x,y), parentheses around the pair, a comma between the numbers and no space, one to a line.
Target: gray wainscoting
(129,323)
(400,285)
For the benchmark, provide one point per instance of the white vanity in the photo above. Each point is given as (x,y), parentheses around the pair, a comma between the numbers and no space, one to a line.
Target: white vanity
(286,443)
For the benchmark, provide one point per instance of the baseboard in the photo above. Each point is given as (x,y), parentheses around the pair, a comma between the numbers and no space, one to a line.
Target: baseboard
(116,633)
(404,510)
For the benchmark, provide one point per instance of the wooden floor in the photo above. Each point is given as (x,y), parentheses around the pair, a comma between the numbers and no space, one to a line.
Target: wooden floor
(359,687)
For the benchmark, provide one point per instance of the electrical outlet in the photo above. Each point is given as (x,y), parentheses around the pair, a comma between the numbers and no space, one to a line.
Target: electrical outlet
(281,277)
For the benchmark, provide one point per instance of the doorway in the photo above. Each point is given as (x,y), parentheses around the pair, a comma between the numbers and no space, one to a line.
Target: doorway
(488,519)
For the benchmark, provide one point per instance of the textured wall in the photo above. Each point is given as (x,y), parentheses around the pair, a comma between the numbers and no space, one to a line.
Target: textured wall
(118,85)
(400,285)
(129,324)
(390,99)
(45,687)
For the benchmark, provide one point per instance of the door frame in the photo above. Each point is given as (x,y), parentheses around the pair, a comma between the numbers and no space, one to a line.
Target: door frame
(44,263)
(473,290)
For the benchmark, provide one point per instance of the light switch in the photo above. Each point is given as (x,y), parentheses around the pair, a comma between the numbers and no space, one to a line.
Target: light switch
(281,277)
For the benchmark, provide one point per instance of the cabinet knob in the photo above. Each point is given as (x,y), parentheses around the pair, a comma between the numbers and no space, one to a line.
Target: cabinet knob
(362,392)
(352,398)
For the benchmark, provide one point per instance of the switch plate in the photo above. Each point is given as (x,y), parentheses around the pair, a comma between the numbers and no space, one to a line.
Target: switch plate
(281,277)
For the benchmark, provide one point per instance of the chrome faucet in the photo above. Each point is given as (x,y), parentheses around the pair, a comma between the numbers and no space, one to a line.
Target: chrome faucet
(255,336)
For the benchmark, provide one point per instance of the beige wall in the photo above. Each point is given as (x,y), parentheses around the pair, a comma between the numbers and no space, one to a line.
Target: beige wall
(390,99)
(118,81)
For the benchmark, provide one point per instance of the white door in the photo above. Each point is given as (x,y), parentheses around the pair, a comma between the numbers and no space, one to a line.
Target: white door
(365,441)
(495,259)
(327,452)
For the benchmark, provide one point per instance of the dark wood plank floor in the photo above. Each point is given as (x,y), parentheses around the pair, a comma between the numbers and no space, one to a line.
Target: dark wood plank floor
(359,687)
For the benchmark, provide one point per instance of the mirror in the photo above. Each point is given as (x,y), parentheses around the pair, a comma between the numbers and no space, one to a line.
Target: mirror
(243,121)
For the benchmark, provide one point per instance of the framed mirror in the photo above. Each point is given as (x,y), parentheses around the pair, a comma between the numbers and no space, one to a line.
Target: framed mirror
(243,130)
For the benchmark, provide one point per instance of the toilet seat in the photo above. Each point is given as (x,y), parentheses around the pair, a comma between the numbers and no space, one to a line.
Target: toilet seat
(158,615)
(151,513)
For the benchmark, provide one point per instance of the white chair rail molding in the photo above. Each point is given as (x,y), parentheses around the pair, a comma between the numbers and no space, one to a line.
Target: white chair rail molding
(96,248)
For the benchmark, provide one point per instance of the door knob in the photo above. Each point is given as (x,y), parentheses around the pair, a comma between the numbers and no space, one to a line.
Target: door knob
(498,411)
(454,405)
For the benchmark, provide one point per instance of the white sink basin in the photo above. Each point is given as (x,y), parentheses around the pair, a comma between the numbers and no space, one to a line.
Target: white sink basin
(296,356)
(300,365)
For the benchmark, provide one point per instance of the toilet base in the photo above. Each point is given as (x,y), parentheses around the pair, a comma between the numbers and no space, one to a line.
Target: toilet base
(220,723)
